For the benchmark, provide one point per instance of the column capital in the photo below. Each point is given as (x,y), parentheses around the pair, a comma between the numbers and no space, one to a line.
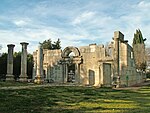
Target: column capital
(10,45)
(24,43)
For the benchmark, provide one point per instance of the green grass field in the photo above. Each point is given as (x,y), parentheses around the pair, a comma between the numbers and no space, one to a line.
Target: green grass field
(59,99)
(8,84)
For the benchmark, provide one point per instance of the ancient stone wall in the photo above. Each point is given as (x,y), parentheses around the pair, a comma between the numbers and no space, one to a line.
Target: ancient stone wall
(90,68)
(95,65)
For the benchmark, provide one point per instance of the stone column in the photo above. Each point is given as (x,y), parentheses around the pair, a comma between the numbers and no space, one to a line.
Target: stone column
(10,76)
(77,76)
(35,65)
(39,72)
(34,71)
(64,72)
(118,37)
(23,76)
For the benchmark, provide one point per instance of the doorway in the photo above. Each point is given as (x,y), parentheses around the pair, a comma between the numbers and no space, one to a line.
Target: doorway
(71,73)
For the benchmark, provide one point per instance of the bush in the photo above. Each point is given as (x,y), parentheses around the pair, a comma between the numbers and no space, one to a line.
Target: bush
(148,75)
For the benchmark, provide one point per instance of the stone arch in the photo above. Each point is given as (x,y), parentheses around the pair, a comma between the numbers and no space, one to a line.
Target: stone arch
(70,49)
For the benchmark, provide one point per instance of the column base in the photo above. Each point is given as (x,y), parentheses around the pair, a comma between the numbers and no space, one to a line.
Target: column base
(38,80)
(77,81)
(118,82)
(10,77)
(23,78)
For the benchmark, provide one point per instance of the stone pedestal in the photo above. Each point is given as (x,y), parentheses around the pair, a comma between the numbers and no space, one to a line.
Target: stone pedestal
(118,82)
(39,72)
(23,76)
(10,76)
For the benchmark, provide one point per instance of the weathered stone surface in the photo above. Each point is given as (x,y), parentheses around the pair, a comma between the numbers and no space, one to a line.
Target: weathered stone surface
(23,76)
(95,65)
(39,78)
(10,76)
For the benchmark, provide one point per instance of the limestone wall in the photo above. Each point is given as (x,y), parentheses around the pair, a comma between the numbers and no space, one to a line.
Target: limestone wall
(128,73)
(89,71)
(50,66)
(97,64)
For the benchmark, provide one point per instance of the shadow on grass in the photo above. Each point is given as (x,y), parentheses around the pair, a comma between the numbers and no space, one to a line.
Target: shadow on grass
(74,100)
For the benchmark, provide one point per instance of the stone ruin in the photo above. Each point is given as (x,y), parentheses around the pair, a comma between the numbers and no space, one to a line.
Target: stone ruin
(23,76)
(92,65)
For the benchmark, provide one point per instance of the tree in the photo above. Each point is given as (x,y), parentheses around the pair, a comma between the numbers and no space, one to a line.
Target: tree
(139,50)
(148,58)
(3,65)
(17,64)
(57,44)
(29,65)
(47,44)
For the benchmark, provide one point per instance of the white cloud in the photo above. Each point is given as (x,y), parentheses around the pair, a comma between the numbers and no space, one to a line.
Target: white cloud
(20,23)
(34,36)
(127,20)
(144,4)
(83,17)
(88,23)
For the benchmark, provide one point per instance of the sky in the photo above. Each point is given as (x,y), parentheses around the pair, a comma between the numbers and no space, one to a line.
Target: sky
(74,22)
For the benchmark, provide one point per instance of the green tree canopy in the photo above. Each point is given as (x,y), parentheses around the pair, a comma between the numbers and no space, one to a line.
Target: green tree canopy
(3,65)
(138,38)
(48,44)
(139,50)
(57,44)
(30,64)
(17,64)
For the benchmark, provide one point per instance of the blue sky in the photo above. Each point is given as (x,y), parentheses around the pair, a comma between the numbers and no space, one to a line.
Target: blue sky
(75,22)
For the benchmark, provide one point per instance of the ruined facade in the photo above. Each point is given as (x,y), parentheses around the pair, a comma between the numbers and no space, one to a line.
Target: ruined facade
(95,65)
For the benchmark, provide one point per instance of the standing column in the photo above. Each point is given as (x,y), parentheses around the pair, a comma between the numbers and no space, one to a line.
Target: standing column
(23,76)
(66,72)
(77,76)
(117,62)
(10,76)
(63,72)
(39,72)
(118,37)
(35,65)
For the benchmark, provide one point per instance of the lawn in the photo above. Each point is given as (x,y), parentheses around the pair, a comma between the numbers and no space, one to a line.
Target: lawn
(8,84)
(60,99)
